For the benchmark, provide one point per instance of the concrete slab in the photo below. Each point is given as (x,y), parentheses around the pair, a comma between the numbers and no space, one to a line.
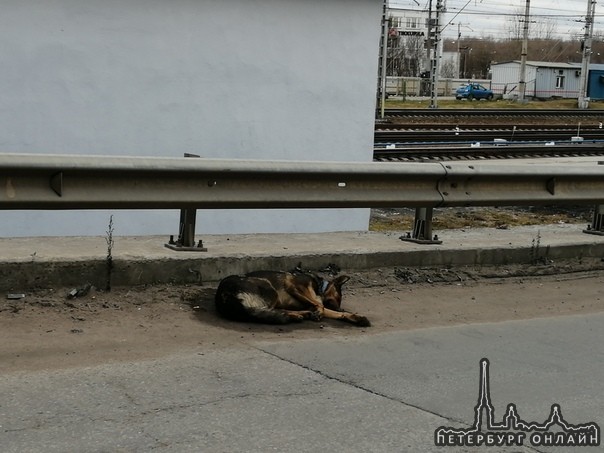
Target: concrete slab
(533,363)
(66,261)
(218,401)
(372,393)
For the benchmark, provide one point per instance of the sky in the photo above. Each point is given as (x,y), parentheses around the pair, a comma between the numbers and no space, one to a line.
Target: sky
(490,18)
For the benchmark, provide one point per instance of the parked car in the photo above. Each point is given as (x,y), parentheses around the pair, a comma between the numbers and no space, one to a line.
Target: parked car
(473,91)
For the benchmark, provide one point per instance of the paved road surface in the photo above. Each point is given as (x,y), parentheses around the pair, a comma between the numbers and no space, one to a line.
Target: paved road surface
(377,393)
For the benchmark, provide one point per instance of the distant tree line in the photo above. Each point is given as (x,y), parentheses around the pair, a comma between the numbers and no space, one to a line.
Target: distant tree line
(476,54)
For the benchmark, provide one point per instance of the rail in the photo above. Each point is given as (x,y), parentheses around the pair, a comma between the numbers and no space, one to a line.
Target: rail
(443,151)
(491,111)
(68,182)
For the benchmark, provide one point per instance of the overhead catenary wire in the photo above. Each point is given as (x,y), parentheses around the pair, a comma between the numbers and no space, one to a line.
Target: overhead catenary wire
(567,15)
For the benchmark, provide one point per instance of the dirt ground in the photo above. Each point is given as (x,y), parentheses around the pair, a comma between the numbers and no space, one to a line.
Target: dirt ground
(387,219)
(48,329)
(74,327)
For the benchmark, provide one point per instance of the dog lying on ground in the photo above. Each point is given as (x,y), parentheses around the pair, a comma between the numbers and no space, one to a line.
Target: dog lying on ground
(282,297)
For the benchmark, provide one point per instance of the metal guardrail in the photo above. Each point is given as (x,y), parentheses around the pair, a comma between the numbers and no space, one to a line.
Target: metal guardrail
(91,182)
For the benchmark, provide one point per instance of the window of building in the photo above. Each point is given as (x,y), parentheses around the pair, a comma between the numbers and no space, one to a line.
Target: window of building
(559,81)
(412,22)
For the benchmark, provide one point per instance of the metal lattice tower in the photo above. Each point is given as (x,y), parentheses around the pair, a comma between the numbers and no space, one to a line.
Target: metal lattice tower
(381,86)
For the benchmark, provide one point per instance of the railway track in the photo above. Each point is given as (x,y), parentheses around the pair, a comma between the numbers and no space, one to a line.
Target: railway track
(422,153)
(477,133)
(456,134)
(515,114)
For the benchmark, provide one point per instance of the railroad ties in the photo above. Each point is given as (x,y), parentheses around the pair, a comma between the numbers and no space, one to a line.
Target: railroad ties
(412,135)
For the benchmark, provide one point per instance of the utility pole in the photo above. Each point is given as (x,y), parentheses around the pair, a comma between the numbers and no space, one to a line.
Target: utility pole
(459,50)
(460,71)
(434,34)
(587,42)
(523,54)
(382,64)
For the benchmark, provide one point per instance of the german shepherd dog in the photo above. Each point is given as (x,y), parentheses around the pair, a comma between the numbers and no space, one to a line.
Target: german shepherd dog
(282,297)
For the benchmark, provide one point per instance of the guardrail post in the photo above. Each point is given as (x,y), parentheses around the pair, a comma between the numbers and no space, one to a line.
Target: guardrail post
(422,228)
(597,223)
(186,230)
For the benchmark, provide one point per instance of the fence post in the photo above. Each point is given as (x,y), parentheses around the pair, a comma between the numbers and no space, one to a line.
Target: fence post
(186,230)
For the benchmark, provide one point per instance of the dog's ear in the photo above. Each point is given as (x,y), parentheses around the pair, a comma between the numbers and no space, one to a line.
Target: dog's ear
(339,281)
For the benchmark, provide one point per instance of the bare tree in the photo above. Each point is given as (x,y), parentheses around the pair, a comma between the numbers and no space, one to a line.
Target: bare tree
(394,56)
(477,54)
(515,25)
(415,53)
(544,28)
(448,69)
(404,55)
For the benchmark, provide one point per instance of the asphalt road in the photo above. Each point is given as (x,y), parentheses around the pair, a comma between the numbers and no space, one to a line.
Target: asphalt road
(376,393)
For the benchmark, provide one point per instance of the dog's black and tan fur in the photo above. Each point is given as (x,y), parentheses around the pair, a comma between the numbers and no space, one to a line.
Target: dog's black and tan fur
(282,297)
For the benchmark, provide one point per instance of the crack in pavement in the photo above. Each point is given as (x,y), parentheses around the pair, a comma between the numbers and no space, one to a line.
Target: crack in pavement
(365,389)
(376,393)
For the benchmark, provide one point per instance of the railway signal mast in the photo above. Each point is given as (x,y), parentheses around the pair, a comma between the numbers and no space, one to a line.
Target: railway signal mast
(524,53)
(586,45)
(381,88)
(434,33)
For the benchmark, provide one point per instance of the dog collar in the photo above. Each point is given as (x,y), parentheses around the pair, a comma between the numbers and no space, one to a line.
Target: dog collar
(323,287)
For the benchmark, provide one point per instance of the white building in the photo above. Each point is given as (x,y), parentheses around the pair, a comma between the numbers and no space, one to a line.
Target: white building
(407,41)
(543,79)
(228,79)
(409,22)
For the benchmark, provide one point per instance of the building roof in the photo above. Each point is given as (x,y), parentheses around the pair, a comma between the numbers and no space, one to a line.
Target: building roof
(402,10)
(544,64)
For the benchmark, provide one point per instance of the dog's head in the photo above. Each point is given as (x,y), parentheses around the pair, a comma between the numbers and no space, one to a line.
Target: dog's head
(332,294)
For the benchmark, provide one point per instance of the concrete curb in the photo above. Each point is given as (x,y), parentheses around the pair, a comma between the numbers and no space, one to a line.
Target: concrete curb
(27,263)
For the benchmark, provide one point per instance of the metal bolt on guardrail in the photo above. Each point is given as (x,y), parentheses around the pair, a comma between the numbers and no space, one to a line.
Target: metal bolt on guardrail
(186,235)
(597,223)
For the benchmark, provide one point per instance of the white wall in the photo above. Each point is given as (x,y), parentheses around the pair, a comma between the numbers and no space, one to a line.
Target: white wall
(506,76)
(270,79)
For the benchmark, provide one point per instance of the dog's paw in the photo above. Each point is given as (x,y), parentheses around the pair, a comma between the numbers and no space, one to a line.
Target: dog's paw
(295,317)
(361,321)
(316,315)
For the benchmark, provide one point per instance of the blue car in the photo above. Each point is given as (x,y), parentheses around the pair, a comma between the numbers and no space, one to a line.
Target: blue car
(473,91)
